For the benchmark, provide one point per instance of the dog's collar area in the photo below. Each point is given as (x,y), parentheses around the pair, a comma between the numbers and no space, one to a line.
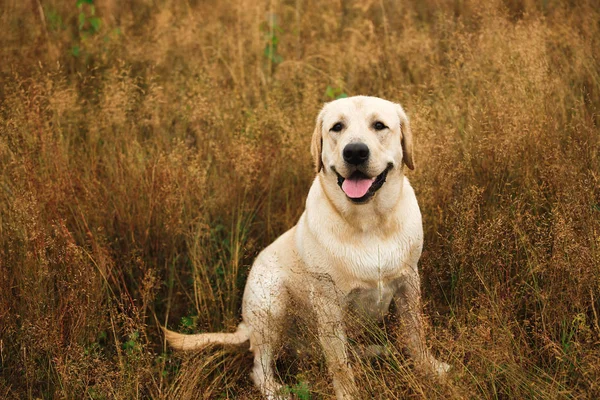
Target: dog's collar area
(375,186)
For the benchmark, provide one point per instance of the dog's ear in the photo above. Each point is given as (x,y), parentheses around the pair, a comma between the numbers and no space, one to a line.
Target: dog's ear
(316,145)
(407,139)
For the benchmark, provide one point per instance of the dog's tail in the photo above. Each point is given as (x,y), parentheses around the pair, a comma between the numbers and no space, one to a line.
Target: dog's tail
(190,342)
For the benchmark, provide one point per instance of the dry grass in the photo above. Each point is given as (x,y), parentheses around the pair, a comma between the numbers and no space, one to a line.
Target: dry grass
(139,178)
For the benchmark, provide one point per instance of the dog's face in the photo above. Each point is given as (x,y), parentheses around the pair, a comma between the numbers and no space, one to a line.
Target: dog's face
(359,145)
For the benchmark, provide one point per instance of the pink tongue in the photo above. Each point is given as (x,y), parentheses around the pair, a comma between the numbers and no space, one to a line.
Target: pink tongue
(356,188)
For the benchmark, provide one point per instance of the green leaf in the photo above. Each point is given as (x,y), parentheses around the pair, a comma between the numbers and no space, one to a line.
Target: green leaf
(75,51)
(187,322)
(128,345)
(131,343)
(268,51)
(82,2)
(95,22)
(300,390)
(81,20)
(341,96)
(329,92)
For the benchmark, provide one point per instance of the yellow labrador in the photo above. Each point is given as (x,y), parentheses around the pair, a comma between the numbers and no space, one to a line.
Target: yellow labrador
(359,240)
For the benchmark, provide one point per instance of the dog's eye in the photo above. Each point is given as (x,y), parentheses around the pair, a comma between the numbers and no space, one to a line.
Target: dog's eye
(379,126)
(337,127)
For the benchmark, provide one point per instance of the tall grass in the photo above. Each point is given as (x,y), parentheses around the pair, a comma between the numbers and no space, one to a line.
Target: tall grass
(150,149)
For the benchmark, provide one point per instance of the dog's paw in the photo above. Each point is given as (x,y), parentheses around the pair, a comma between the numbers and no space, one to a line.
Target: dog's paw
(278,396)
(440,368)
(434,368)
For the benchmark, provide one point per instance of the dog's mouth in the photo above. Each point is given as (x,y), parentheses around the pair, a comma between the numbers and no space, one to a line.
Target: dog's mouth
(359,187)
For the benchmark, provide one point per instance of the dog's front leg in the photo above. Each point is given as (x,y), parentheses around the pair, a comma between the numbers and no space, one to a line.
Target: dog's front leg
(408,304)
(329,310)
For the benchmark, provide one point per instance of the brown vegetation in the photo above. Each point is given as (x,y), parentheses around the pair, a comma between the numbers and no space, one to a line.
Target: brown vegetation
(150,149)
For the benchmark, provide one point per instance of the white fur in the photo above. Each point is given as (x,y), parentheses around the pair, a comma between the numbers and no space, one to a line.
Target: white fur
(339,247)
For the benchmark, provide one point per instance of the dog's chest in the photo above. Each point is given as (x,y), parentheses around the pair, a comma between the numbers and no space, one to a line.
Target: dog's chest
(370,262)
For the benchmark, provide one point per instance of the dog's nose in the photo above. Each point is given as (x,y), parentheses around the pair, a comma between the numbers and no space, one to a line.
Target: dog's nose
(356,153)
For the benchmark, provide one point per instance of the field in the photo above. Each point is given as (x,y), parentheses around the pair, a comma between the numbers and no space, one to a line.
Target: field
(150,149)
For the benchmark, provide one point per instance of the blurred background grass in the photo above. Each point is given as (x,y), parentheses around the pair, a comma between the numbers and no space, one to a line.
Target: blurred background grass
(150,149)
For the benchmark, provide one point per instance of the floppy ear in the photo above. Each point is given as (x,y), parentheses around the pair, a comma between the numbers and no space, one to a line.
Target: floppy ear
(316,145)
(407,139)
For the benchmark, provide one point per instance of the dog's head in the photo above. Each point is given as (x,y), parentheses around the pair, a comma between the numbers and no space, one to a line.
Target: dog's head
(359,144)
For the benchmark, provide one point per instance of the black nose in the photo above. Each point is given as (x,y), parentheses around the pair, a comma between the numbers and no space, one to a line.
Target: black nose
(356,153)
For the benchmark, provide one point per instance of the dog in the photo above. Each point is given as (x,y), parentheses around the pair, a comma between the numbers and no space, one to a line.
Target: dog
(358,241)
